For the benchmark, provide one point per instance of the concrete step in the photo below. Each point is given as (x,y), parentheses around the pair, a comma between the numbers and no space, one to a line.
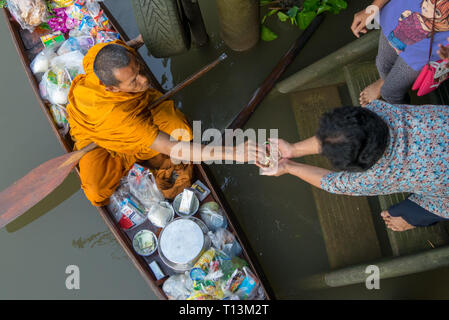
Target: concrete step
(346,222)
(358,76)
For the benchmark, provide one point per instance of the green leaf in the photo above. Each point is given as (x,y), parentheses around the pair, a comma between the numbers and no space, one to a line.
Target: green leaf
(311,5)
(266,34)
(269,14)
(293,12)
(323,8)
(337,5)
(282,16)
(265,2)
(305,18)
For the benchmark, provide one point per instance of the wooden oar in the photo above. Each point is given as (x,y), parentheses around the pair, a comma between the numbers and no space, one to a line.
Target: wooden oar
(40,182)
(37,184)
(240,120)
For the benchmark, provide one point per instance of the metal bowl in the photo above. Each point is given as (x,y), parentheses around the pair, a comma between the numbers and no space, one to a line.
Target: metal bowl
(177,203)
(182,242)
(145,252)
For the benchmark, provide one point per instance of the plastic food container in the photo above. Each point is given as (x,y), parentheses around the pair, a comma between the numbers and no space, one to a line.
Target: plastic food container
(194,207)
(182,242)
(142,234)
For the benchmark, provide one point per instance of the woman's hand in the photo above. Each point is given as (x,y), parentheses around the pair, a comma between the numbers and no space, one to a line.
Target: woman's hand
(286,149)
(276,171)
(361,19)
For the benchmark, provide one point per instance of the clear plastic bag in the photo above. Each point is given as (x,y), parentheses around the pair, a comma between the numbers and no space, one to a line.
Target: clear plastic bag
(82,44)
(28,13)
(248,289)
(107,36)
(41,63)
(59,114)
(55,84)
(143,186)
(178,287)
(225,241)
(161,214)
(213,216)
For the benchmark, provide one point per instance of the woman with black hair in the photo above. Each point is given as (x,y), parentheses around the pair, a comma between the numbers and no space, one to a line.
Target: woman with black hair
(380,149)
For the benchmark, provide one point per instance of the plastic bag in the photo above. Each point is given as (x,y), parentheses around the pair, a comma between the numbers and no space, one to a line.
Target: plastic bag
(249,286)
(55,84)
(82,44)
(28,13)
(127,211)
(59,114)
(63,3)
(41,63)
(61,21)
(225,241)
(178,287)
(213,216)
(107,36)
(143,186)
(160,214)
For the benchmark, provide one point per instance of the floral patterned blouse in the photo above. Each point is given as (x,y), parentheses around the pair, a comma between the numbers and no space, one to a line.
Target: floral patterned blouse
(416,159)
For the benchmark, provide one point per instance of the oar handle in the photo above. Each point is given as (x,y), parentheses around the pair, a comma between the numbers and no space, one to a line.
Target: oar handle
(77,155)
(188,81)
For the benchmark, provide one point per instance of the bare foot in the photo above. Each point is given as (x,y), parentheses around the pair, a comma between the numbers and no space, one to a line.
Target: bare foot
(395,223)
(370,93)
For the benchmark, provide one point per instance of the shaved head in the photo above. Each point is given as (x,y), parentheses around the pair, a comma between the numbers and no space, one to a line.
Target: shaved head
(109,59)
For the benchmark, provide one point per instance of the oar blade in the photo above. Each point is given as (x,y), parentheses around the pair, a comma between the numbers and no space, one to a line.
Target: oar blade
(33,187)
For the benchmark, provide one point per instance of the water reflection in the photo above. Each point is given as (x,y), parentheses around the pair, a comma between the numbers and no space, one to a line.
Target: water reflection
(67,189)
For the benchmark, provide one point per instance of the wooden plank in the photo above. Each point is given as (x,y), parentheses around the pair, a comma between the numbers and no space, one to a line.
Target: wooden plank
(346,221)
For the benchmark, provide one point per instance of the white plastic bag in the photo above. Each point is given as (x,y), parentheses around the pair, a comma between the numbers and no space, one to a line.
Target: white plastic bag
(178,287)
(225,241)
(160,214)
(41,63)
(28,13)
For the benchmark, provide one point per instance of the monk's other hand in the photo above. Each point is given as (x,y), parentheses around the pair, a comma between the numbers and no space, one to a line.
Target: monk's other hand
(136,43)
(361,19)
(250,152)
(276,171)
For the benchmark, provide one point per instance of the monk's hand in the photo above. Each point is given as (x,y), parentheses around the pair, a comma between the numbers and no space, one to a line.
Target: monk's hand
(278,169)
(136,43)
(361,19)
(250,152)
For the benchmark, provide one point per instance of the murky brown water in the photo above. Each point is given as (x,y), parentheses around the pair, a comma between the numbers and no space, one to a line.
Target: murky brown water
(277,213)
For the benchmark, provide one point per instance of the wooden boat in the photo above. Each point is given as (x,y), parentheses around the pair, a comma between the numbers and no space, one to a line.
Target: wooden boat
(28,46)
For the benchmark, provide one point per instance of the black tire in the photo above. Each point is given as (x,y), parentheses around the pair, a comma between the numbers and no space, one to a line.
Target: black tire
(163,27)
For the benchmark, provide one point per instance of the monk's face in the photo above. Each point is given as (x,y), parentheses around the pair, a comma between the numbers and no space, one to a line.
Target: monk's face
(132,78)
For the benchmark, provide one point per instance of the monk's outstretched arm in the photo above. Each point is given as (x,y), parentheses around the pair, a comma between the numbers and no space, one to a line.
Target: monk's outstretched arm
(194,152)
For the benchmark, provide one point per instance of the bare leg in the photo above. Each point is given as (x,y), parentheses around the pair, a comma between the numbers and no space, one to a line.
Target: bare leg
(370,93)
(396,223)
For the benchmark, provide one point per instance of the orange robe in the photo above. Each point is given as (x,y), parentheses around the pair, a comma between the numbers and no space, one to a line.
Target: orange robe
(112,121)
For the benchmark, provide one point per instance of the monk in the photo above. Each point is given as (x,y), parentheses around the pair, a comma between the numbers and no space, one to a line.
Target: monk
(108,105)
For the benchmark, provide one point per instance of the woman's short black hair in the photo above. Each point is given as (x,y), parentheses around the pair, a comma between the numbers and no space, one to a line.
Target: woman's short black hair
(352,138)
